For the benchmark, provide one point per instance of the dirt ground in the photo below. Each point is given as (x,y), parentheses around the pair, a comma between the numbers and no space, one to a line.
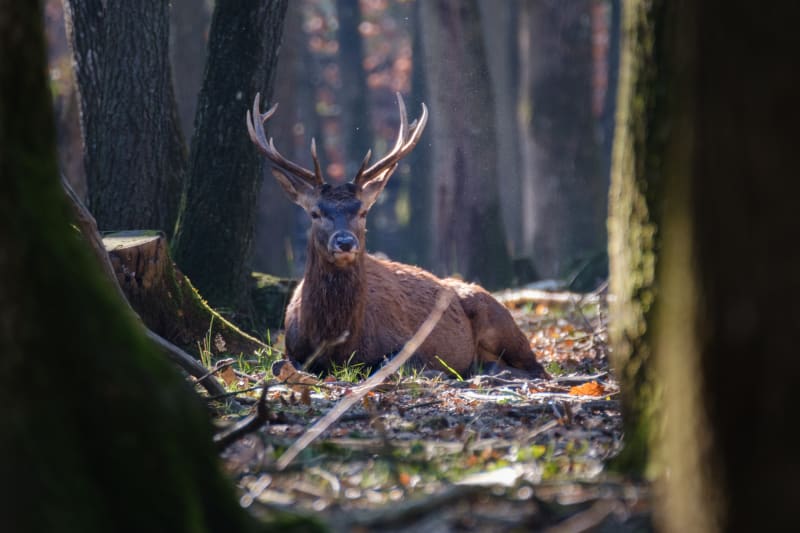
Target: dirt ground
(444,453)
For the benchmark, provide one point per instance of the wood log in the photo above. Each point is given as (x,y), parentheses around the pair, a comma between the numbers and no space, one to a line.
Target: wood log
(166,300)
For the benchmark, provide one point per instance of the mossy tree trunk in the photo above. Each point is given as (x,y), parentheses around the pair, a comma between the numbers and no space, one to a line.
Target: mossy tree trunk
(468,232)
(703,266)
(634,224)
(134,151)
(99,433)
(214,236)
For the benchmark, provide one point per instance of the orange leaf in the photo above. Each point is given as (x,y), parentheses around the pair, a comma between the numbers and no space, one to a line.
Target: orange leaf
(592,388)
(404,479)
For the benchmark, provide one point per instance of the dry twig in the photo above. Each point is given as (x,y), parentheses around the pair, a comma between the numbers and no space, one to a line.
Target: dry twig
(247,425)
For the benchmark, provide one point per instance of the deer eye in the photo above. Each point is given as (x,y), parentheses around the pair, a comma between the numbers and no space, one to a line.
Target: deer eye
(315,214)
(363,214)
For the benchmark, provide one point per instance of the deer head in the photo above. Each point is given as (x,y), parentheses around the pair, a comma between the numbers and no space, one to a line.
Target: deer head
(338,212)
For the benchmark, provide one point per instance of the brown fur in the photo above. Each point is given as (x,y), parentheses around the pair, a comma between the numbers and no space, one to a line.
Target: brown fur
(381,304)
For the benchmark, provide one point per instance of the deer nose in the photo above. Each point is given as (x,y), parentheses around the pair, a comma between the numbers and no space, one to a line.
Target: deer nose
(344,242)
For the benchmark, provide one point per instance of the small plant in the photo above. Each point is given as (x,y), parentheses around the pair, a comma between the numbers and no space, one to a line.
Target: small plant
(206,355)
(449,368)
(350,373)
(555,369)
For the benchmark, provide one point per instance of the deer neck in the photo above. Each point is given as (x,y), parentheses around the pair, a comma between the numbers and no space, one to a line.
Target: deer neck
(334,299)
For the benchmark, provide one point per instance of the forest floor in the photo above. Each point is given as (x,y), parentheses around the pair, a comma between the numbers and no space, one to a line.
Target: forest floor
(445,453)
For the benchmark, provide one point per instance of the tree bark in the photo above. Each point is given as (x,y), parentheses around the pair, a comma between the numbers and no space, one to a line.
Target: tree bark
(99,433)
(634,230)
(214,235)
(563,191)
(469,237)
(134,152)
(698,179)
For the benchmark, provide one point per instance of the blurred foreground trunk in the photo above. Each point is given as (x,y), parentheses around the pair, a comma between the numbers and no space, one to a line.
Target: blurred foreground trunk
(703,268)
(99,433)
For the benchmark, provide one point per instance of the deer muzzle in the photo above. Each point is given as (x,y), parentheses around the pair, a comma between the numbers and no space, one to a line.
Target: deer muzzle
(343,247)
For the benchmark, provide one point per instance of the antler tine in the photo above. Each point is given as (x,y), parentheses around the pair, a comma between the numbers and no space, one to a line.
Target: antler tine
(363,167)
(317,168)
(255,127)
(407,137)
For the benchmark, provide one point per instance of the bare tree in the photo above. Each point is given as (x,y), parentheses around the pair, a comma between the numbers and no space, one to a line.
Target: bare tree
(134,152)
(564,190)
(468,232)
(214,235)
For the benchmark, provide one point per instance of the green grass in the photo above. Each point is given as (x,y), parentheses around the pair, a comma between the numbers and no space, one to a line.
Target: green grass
(350,372)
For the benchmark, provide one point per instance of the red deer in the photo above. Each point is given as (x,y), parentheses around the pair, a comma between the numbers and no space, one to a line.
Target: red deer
(373,306)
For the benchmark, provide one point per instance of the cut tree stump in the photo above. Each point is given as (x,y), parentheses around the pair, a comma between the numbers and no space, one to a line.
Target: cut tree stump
(166,300)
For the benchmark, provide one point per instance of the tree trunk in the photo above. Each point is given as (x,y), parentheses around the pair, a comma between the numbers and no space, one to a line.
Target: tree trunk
(634,232)
(134,153)
(356,126)
(275,218)
(564,206)
(99,433)
(499,23)
(189,22)
(705,138)
(418,231)
(214,235)
(469,237)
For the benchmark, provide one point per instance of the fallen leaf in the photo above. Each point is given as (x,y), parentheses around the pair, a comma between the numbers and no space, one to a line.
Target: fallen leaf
(591,388)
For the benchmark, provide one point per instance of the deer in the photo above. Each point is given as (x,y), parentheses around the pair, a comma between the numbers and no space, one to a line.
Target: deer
(352,307)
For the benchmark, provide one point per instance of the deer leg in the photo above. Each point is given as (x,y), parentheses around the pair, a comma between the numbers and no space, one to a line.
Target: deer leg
(498,339)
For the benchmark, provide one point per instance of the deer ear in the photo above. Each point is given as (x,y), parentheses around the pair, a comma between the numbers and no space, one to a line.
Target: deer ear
(298,191)
(370,191)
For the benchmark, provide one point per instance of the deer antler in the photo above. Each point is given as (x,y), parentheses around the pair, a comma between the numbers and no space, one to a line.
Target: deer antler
(255,126)
(407,137)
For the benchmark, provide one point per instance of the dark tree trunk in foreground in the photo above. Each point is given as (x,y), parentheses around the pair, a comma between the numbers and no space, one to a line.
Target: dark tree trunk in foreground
(708,119)
(468,233)
(564,190)
(134,151)
(99,434)
(214,237)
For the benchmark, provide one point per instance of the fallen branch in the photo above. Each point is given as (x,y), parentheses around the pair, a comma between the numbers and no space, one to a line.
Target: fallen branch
(245,426)
(357,393)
